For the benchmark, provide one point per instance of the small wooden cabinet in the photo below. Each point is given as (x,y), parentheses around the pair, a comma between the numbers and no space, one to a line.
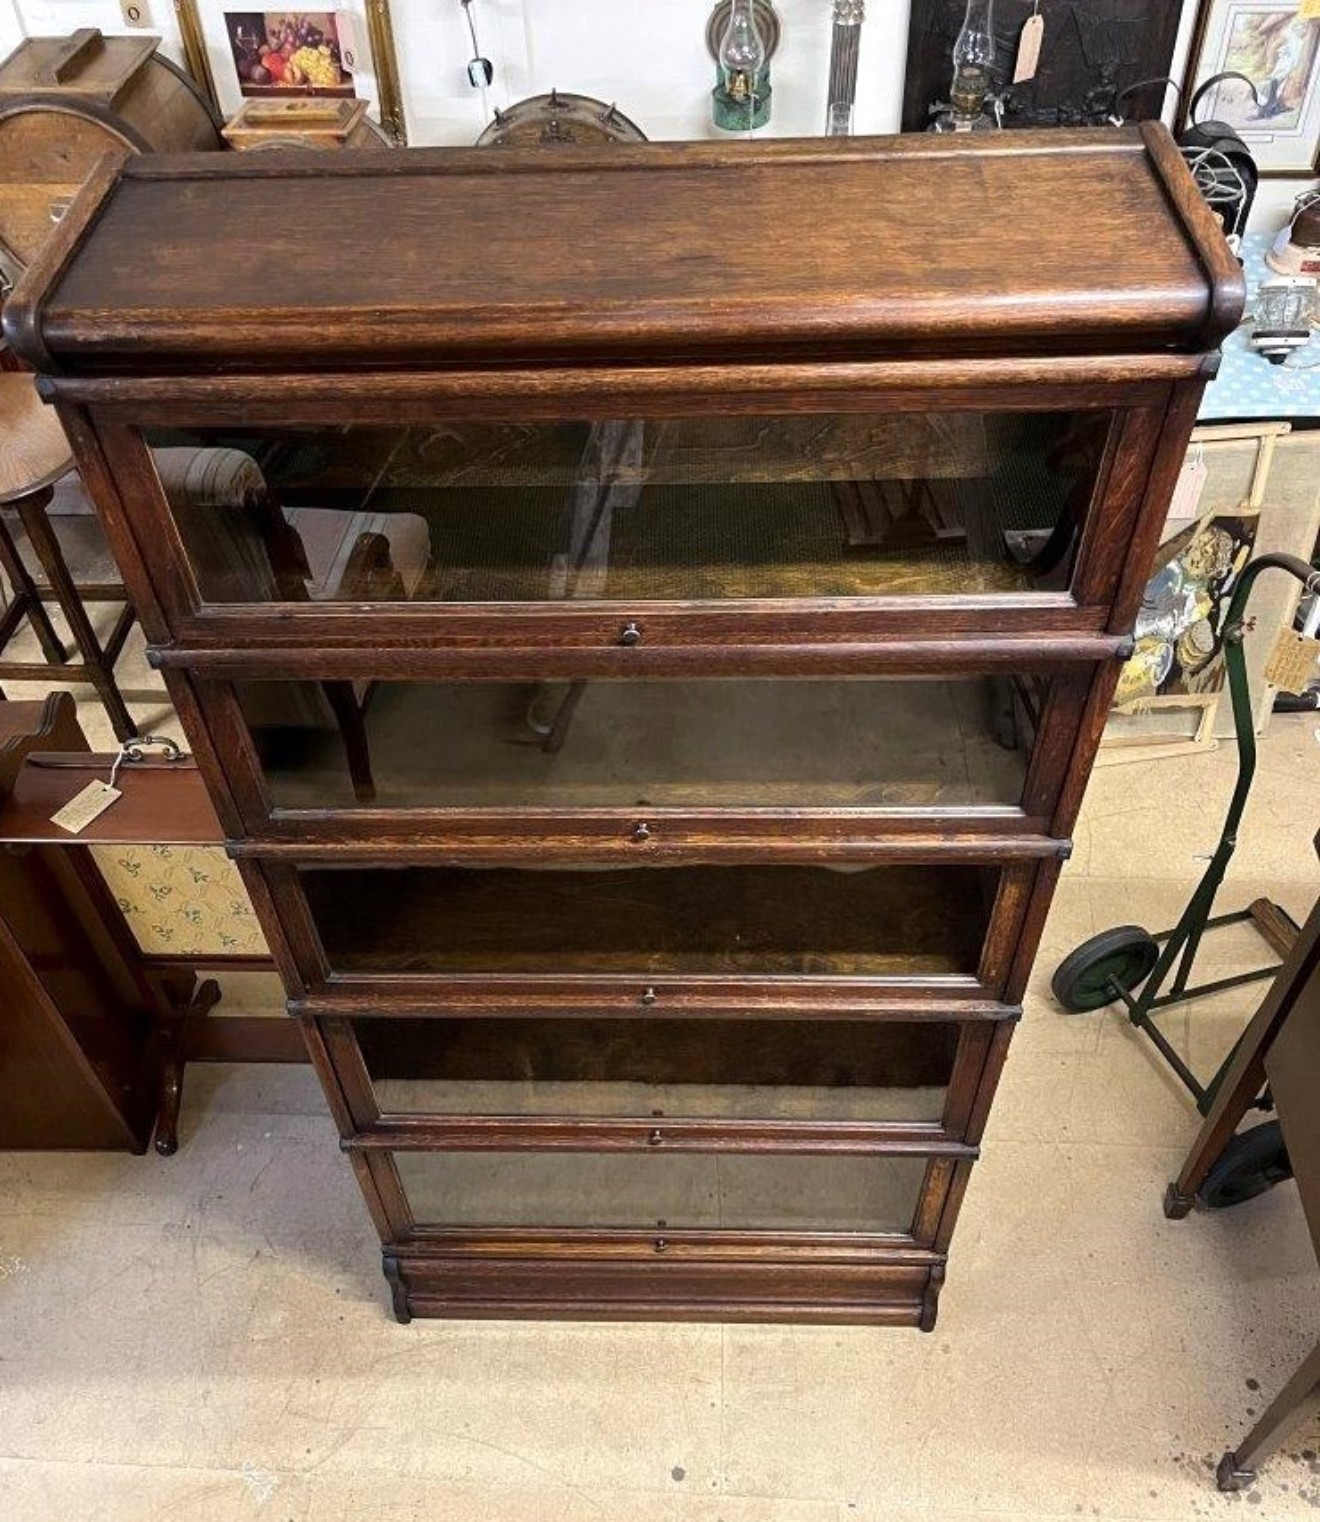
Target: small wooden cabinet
(655,813)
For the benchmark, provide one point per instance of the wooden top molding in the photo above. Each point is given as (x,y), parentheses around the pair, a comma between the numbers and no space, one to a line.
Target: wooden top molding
(1080,243)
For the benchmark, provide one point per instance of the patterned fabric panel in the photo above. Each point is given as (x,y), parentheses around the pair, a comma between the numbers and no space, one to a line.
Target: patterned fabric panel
(182,900)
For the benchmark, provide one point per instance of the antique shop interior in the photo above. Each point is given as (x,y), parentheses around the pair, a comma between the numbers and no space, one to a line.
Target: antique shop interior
(660,760)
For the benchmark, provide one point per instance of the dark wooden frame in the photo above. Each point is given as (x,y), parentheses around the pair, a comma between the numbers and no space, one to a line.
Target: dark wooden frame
(161,802)
(1142,356)
(657,992)
(670,830)
(1277,1054)
(552,640)
(975,1034)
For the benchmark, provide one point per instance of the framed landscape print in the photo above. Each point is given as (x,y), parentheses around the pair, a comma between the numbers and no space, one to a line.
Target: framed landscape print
(1277,47)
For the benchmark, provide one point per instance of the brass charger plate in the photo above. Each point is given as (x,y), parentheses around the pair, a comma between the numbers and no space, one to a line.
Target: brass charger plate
(559,118)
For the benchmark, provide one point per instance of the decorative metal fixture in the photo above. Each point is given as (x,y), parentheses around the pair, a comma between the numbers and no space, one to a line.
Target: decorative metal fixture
(845,42)
(1285,309)
(559,118)
(480,70)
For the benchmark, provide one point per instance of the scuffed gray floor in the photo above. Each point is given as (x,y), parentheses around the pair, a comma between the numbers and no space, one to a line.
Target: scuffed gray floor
(207,1337)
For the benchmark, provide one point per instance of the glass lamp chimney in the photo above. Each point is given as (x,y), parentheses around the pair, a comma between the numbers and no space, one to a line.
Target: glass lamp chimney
(973,64)
(742,53)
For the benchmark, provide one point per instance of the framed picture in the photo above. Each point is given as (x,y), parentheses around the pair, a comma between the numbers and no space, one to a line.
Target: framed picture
(289,53)
(237,54)
(1278,49)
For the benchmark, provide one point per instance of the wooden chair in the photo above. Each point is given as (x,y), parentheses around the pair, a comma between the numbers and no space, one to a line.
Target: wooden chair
(238,533)
(34,456)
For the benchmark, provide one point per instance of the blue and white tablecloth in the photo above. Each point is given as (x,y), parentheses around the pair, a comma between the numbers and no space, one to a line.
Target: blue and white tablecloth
(1247,385)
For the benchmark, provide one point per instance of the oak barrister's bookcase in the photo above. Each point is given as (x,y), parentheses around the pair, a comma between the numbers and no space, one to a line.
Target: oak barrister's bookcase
(646,618)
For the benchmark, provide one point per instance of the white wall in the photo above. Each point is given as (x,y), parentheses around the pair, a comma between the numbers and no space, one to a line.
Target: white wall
(42,18)
(648,55)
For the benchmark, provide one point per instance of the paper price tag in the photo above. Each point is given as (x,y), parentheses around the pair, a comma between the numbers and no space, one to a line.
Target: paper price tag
(135,12)
(1292,661)
(351,52)
(1186,501)
(1028,53)
(85,806)
(1309,10)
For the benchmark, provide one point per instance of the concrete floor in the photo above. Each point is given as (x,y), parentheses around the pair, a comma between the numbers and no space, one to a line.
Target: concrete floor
(207,1337)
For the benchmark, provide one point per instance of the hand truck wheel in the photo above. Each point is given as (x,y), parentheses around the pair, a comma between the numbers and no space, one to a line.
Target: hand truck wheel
(1253,1162)
(1125,955)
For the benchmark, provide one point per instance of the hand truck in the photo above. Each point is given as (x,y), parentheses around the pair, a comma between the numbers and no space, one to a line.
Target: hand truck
(1131,965)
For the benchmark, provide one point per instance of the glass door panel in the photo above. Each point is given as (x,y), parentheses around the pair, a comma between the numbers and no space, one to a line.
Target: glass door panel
(717,508)
(767,1070)
(889,921)
(674,744)
(840,1192)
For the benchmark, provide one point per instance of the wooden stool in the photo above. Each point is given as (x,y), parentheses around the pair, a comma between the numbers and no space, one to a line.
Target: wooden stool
(34,455)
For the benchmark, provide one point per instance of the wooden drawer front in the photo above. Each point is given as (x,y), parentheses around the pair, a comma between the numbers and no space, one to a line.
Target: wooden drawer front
(663,1288)
(621,532)
(671,1081)
(652,936)
(661,765)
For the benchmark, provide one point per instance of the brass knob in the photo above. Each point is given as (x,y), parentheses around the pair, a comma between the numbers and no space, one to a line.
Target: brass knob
(641,832)
(661,1244)
(631,635)
(655,1138)
(648,996)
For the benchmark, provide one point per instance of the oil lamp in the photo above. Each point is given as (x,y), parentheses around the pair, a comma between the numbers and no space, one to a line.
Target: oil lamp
(742,95)
(973,69)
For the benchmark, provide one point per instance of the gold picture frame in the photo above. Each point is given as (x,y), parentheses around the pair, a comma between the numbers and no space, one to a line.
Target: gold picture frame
(380,38)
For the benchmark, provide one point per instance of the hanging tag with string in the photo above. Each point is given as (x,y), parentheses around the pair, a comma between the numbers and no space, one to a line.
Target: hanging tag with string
(1292,663)
(1185,503)
(93,800)
(1029,44)
(1293,660)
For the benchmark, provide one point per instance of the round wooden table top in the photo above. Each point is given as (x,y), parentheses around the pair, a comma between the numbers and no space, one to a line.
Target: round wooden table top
(33,449)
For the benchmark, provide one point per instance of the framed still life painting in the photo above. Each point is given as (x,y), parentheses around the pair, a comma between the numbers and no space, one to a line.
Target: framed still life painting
(1276,47)
(289,53)
(347,52)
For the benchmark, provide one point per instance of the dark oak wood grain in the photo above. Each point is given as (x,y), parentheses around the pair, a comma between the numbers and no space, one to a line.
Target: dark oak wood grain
(358,244)
(163,802)
(911,310)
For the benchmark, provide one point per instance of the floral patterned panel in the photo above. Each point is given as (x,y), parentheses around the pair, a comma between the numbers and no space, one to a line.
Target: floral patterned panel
(182,900)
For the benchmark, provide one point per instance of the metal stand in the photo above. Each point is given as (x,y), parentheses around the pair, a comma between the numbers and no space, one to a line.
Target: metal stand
(1181,944)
